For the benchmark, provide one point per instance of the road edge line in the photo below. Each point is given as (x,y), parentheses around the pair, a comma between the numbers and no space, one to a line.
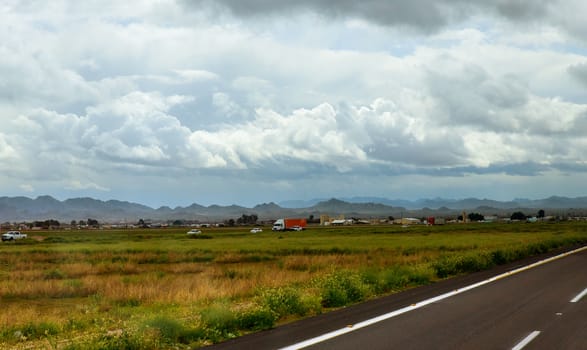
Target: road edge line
(383,317)
(579,296)
(526,340)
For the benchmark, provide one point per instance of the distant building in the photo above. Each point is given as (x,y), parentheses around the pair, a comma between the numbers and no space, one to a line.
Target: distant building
(407,221)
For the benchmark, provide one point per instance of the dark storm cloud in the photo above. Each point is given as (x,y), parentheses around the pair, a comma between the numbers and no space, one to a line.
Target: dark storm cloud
(425,15)
(521,9)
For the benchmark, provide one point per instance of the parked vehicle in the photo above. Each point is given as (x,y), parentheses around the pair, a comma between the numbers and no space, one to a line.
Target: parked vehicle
(13,235)
(194,232)
(256,230)
(289,224)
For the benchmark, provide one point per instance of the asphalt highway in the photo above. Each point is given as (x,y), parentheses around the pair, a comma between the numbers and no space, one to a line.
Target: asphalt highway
(544,307)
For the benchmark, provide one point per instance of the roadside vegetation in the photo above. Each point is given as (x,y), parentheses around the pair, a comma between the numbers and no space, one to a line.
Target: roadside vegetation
(162,289)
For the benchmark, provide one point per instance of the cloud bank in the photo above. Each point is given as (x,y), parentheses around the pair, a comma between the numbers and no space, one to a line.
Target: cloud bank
(249,101)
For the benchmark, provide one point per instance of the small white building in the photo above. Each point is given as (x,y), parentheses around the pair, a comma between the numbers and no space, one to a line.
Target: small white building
(407,221)
(340,222)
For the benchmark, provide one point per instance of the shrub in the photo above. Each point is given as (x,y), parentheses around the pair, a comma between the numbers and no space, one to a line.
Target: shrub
(395,278)
(37,330)
(190,335)
(76,324)
(342,288)
(219,323)
(172,331)
(124,341)
(453,265)
(419,278)
(372,277)
(257,319)
(284,301)
(169,329)
(499,257)
(333,296)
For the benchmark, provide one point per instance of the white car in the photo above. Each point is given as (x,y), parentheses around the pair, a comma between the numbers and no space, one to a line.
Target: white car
(194,232)
(256,230)
(297,228)
(12,235)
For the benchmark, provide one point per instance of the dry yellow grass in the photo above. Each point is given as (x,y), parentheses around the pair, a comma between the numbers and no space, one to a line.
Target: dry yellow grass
(99,287)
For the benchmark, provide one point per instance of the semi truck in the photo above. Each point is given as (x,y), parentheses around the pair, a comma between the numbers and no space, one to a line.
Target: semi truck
(288,224)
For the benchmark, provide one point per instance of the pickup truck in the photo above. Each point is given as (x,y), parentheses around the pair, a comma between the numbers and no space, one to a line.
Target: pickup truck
(12,235)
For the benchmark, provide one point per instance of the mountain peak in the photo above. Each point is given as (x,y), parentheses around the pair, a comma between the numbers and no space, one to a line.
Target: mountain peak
(47,207)
(267,206)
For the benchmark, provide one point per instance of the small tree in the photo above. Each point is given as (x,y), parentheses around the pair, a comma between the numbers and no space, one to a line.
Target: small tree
(93,222)
(541,213)
(141,223)
(518,215)
(475,217)
(247,219)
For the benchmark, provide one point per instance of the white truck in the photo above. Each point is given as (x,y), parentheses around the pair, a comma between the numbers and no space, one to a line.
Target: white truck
(13,235)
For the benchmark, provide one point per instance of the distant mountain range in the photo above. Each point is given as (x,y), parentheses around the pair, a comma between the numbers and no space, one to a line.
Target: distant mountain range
(15,209)
(553,202)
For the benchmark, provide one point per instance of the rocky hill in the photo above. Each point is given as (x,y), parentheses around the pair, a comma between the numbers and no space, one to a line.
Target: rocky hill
(15,209)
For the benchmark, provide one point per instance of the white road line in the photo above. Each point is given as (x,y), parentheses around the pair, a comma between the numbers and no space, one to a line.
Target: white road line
(526,340)
(422,303)
(579,296)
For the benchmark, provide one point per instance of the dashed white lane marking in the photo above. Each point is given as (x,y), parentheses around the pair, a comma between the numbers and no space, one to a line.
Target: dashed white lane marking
(526,340)
(579,296)
(369,322)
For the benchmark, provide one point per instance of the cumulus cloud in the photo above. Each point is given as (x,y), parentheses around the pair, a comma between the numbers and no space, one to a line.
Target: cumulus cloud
(27,188)
(101,94)
(7,152)
(79,186)
(196,75)
(226,106)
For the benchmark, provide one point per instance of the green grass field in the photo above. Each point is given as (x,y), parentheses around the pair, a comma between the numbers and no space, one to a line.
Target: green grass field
(160,289)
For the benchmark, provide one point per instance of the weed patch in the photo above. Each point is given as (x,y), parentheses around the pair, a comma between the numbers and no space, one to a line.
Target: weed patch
(171,331)
(219,323)
(31,331)
(342,288)
(456,264)
(129,302)
(284,301)
(54,274)
(257,319)
(118,341)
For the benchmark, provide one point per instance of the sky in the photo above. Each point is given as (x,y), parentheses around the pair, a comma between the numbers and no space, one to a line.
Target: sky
(171,102)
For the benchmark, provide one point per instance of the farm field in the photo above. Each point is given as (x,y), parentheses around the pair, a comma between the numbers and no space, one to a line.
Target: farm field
(163,289)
